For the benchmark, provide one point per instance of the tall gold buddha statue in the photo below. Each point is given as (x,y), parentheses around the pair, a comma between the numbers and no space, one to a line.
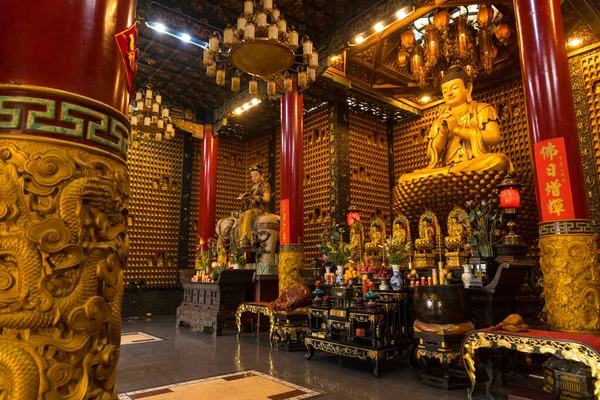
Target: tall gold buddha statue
(461,136)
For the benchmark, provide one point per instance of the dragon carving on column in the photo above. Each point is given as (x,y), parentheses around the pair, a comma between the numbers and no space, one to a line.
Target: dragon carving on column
(63,248)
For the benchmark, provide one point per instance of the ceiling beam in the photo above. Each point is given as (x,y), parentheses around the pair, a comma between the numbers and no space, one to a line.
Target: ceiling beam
(589,12)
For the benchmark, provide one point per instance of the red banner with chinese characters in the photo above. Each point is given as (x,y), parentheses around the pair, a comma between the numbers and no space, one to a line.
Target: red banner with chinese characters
(127,40)
(284,230)
(554,184)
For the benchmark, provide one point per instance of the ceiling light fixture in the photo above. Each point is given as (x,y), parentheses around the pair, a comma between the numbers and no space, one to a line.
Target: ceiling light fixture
(381,25)
(185,37)
(160,27)
(378,27)
(401,14)
(359,39)
(574,42)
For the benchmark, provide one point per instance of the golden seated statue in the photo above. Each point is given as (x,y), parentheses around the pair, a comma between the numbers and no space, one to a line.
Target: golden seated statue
(458,232)
(457,238)
(461,136)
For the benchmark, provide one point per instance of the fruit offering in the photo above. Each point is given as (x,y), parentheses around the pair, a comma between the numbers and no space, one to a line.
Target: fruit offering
(351,273)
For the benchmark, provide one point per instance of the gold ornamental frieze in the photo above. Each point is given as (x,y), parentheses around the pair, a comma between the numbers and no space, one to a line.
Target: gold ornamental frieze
(63,247)
(571,282)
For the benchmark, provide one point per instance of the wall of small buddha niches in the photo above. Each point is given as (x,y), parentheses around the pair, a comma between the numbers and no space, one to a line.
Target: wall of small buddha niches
(585,81)
(155,170)
(194,200)
(316,178)
(410,147)
(231,175)
(369,169)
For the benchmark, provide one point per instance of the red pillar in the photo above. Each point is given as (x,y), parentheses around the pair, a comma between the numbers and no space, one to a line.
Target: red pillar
(292,195)
(546,78)
(567,245)
(208,187)
(66,69)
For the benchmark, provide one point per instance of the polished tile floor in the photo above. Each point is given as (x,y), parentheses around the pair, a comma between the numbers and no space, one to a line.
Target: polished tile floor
(189,355)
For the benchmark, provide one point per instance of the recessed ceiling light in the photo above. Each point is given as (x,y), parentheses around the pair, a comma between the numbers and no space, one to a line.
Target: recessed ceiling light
(378,27)
(401,14)
(333,58)
(185,37)
(425,99)
(574,42)
(160,27)
(255,101)
(359,39)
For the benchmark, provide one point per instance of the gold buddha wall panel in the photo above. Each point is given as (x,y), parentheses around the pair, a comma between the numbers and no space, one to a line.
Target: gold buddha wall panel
(231,175)
(194,200)
(316,178)
(155,170)
(369,170)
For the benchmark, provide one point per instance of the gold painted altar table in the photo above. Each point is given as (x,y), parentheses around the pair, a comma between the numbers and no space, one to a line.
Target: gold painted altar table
(569,346)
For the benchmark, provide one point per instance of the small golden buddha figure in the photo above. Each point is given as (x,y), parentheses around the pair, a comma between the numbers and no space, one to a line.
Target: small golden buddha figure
(426,241)
(399,232)
(373,248)
(357,236)
(461,136)
(457,235)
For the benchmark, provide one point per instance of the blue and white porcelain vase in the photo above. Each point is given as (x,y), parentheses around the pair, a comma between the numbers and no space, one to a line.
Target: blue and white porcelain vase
(396,281)
(339,278)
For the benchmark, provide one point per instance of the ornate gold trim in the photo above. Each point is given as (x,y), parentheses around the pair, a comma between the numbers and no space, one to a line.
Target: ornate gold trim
(572,351)
(256,309)
(63,94)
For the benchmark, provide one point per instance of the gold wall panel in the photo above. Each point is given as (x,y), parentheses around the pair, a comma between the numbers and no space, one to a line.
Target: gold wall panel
(410,146)
(231,175)
(156,172)
(315,137)
(369,170)
(194,200)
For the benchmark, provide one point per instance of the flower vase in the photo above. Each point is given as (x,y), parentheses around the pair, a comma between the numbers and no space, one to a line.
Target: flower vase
(396,281)
(466,276)
(339,279)
(328,269)
(236,266)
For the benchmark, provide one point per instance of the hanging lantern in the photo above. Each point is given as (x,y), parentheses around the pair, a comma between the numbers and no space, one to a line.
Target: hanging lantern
(314,60)
(353,215)
(268,5)
(416,62)
(403,57)
(275,14)
(432,45)
(307,46)
(509,192)
(302,78)
(220,76)
(287,82)
(273,33)
(249,31)
(312,74)
(213,43)
(261,20)
(211,70)
(293,39)
(502,33)
(281,25)
(441,20)
(248,7)
(271,88)
(241,24)
(235,82)
(485,16)
(253,86)
(228,37)
(463,37)
(408,39)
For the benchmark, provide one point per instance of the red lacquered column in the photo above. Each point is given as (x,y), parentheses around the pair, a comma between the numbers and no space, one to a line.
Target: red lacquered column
(208,187)
(292,196)
(65,74)
(567,245)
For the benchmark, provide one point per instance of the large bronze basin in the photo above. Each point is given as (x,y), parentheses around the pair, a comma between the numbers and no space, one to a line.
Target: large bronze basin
(440,304)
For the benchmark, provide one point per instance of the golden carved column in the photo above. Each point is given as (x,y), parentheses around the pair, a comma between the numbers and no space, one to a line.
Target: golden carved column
(571,276)
(64,187)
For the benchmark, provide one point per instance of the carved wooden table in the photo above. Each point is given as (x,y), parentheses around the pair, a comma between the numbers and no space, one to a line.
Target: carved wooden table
(214,304)
(569,346)
(258,309)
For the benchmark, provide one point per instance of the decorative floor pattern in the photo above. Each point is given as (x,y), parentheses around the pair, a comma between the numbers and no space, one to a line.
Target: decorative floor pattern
(137,338)
(247,385)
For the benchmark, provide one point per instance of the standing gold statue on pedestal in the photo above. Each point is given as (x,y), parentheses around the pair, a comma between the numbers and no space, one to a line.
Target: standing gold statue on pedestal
(374,247)
(457,238)
(429,234)
(461,136)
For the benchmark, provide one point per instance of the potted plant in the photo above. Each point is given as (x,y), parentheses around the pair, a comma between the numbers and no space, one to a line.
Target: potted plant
(337,252)
(237,257)
(483,223)
(202,257)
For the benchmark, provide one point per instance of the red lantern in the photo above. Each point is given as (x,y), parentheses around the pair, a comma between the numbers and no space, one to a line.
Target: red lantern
(353,215)
(510,198)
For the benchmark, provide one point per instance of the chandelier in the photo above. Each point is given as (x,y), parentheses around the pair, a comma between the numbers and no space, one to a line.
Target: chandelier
(447,41)
(262,46)
(149,117)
